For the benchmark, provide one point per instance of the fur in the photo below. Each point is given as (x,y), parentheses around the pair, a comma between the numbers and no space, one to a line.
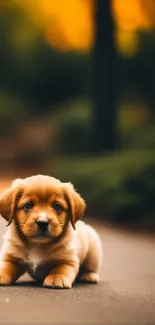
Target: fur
(68,249)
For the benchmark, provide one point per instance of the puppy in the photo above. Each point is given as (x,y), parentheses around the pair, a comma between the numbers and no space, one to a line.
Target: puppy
(44,237)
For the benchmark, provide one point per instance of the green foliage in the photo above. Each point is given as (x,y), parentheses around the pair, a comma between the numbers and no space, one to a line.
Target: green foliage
(73,130)
(143,137)
(118,185)
(11,113)
(137,73)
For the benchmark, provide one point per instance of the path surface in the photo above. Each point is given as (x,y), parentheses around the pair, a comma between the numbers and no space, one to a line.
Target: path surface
(126,294)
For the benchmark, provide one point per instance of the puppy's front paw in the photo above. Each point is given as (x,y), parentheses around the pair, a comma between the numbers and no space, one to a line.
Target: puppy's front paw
(57,281)
(5,280)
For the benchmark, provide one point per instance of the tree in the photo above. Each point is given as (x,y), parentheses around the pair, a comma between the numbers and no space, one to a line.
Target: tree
(104,93)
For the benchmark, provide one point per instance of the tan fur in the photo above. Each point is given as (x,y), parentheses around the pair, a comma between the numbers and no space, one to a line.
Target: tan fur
(69,248)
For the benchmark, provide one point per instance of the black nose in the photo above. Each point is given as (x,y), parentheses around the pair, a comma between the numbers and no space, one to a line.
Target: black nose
(42,225)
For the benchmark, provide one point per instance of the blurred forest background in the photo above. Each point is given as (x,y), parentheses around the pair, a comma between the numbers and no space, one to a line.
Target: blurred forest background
(77,99)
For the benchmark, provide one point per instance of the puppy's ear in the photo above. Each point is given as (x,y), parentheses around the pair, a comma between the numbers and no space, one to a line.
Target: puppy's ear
(8,201)
(76,203)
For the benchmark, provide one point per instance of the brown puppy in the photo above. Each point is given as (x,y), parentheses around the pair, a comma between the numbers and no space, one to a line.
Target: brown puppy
(42,238)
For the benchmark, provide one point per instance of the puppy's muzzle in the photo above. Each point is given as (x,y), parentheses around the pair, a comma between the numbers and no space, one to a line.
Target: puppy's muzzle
(42,226)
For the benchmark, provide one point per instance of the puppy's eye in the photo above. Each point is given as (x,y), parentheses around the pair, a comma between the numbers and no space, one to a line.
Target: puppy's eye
(28,206)
(57,207)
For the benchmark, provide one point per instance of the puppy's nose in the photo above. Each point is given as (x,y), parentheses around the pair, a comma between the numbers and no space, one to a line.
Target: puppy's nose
(42,225)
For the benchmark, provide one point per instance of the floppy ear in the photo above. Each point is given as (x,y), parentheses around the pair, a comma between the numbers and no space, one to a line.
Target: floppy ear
(8,201)
(76,203)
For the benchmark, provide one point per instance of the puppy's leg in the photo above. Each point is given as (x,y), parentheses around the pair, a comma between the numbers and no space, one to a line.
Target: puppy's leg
(10,271)
(92,263)
(62,276)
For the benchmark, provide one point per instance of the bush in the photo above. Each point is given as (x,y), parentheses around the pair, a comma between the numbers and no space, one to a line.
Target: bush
(72,130)
(119,186)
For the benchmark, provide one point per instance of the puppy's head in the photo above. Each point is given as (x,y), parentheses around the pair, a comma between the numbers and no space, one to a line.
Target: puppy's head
(41,207)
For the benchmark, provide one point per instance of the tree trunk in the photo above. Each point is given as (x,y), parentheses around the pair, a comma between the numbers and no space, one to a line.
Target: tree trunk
(104,73)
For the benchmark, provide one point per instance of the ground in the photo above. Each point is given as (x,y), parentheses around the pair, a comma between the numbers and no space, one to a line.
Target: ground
(125,295)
